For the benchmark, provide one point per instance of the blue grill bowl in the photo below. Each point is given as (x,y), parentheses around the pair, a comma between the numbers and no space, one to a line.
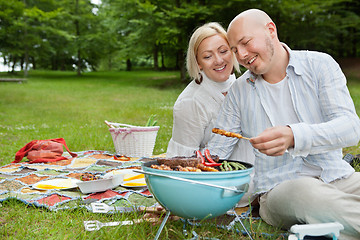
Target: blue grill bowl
(195,201)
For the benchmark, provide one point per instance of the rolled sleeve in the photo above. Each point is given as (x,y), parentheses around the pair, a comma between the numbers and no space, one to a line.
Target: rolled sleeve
(302,139)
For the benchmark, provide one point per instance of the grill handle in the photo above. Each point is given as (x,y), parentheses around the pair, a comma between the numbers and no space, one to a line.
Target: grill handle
(237,189)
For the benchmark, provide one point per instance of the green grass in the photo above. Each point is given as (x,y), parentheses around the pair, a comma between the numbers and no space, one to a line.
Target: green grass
(60,104)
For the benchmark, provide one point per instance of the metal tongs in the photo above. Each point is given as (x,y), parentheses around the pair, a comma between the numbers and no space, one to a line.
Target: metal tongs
(104,208)
(95,225)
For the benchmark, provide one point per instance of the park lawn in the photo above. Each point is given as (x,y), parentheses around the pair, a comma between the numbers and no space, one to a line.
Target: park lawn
(60,104)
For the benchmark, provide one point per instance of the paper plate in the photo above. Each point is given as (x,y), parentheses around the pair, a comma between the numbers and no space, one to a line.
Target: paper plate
(57,183)
(137,183)
(131,178)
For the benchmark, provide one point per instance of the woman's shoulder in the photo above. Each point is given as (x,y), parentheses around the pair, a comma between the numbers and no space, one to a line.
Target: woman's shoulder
(193,93)
(195,102)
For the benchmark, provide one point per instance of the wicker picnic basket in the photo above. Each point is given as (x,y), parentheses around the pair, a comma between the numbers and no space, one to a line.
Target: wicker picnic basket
(133,141)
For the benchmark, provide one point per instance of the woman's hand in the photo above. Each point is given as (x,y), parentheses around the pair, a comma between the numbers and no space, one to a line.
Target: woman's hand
(274,141)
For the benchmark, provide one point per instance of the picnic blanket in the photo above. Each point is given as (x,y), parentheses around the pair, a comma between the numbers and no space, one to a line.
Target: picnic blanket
(17,180)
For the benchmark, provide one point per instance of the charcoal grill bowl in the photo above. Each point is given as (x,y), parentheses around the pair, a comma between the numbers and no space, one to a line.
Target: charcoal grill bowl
(195,201)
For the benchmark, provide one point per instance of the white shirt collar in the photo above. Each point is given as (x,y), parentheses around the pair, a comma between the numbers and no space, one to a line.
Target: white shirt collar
(216,89)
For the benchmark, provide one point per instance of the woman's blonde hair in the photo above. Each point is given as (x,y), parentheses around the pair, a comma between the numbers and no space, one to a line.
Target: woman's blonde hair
(205,31)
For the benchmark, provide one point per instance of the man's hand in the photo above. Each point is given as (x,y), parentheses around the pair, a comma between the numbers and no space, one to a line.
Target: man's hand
(274,141)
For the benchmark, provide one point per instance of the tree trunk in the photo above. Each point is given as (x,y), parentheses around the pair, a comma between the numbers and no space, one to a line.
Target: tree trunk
(181,62)
(109,61)
(77,39)
(128,64)
(78,63)
(354,42)
(33,63)
(341,48)
(26,49)
(22,63)
(163,67)
(156,55)
(14,63)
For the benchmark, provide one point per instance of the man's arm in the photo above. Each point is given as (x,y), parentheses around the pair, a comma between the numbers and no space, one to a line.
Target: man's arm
(339,126)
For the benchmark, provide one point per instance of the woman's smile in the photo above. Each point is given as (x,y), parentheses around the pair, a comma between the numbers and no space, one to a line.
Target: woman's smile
(215,58)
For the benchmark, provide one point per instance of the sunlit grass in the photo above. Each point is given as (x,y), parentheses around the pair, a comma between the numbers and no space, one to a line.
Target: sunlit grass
(57,104)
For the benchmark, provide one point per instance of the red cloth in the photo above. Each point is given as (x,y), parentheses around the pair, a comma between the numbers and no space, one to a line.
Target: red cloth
(43,151)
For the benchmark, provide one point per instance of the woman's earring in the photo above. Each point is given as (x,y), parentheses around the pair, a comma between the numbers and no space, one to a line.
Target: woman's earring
(199,79)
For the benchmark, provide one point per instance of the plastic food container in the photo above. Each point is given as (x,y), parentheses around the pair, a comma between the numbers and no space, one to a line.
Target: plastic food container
(101,185)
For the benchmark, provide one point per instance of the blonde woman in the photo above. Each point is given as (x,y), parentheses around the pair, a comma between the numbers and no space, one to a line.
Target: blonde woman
(210,63)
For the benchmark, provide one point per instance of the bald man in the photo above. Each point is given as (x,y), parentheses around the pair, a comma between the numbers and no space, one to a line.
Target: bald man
(297,110)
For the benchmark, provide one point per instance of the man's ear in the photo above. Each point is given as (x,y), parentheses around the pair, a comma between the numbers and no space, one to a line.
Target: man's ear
(271,27)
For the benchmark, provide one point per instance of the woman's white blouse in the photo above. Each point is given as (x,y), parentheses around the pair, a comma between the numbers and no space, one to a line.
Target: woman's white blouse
(195,112)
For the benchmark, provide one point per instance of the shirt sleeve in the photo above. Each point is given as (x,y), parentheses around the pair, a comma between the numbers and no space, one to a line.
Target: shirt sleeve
(340,126)
(190,121)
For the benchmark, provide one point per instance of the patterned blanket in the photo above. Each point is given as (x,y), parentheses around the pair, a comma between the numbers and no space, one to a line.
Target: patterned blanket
(17,181)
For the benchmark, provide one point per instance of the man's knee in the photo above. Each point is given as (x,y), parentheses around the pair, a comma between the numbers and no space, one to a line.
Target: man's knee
(300,194)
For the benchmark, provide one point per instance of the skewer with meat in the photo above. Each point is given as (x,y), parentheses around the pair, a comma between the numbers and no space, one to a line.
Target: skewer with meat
(228,134)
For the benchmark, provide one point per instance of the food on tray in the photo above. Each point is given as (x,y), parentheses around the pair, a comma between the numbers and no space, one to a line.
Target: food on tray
(121,157)
(198,168)
(211,162)
(231,166)
(228,134)
(162,167)
(207,169)
(187,169)
(179,161)
(89,177)
(200,163)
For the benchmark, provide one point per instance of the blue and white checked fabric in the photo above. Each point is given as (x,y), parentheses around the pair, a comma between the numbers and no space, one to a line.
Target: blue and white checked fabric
(328,120)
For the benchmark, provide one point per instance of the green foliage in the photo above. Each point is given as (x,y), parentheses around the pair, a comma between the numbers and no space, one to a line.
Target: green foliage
(76,34)
(151,121)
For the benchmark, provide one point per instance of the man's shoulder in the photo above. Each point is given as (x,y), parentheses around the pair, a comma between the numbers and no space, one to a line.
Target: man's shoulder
(305,60)
(310,55)
(243,77)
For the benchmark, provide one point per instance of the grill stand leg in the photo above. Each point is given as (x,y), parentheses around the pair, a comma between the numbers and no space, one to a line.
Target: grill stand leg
(237,218)
(162,225)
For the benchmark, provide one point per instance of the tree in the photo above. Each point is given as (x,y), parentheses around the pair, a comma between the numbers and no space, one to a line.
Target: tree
(69,34)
